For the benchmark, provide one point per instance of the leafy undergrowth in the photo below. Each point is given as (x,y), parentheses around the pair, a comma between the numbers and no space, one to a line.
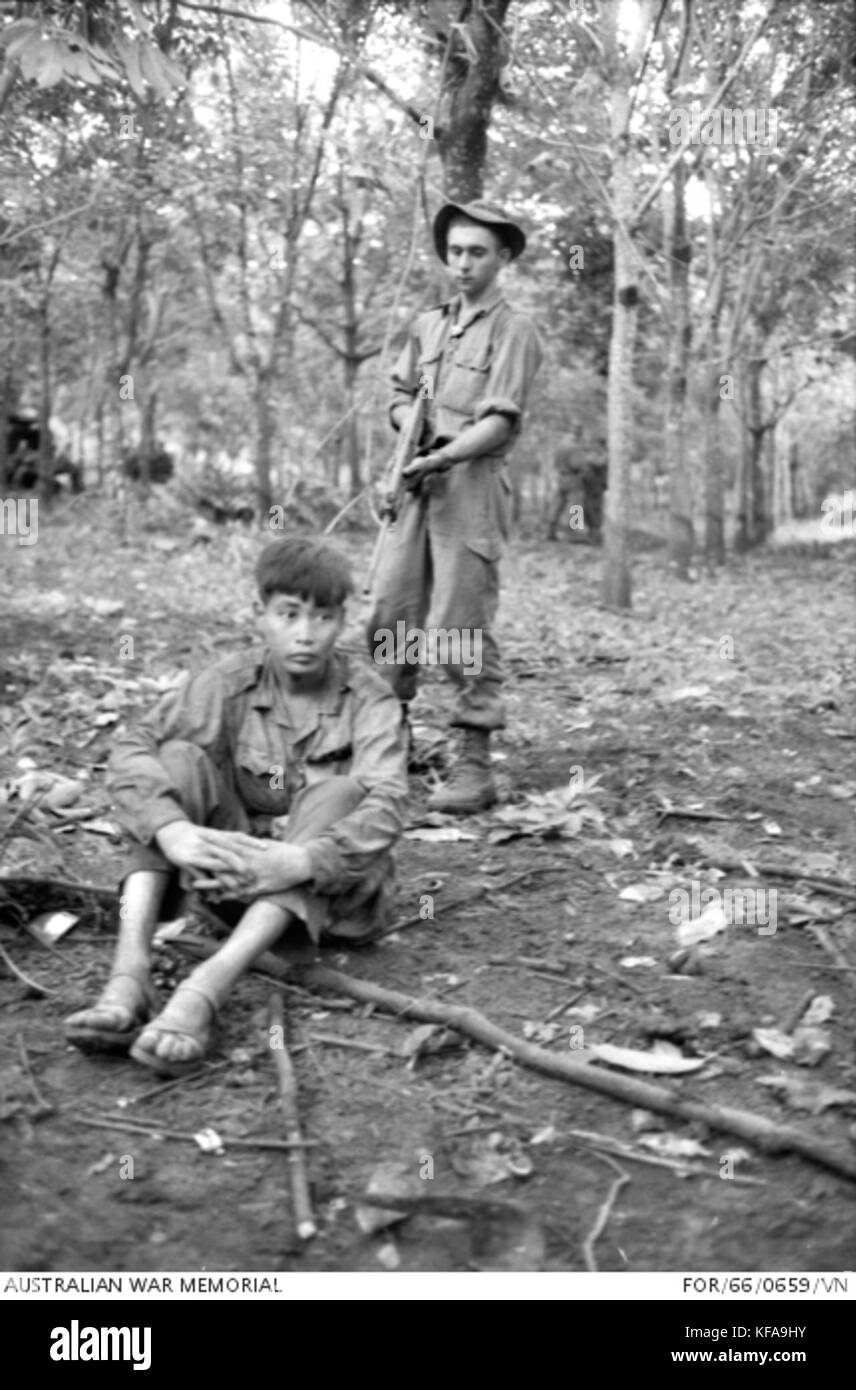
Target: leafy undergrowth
(664,886)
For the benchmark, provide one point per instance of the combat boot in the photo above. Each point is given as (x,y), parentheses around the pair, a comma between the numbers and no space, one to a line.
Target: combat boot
(470,787)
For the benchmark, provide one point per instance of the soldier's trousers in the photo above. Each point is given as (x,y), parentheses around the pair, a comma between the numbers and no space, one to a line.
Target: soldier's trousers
(426,567)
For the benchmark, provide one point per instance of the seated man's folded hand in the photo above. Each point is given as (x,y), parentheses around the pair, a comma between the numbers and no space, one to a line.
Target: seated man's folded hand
(267,866)
(189,846)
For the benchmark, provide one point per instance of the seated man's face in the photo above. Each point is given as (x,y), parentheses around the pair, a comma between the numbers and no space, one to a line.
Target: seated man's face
(300,635)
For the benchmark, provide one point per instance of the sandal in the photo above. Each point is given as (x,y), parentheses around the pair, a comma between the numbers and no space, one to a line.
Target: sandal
(144,1051)
(92,1037)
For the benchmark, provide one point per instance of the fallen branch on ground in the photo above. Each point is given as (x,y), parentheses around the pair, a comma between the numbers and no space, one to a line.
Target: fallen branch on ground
(603,1215)
(608,1144)
(304,1221)
(770,1138)
(68,885)
(19,975)
(825,941)
(838,887)
(154,1130)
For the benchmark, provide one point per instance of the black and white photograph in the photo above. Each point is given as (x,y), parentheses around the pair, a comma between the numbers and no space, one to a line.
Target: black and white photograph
(427,616)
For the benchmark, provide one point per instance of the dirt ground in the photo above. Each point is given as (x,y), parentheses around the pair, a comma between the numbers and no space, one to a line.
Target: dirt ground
(707,741)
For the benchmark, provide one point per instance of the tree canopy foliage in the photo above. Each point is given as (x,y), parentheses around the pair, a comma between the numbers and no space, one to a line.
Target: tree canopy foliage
(215,225)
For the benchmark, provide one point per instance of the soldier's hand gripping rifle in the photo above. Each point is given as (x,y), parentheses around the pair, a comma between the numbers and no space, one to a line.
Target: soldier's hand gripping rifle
(405,451)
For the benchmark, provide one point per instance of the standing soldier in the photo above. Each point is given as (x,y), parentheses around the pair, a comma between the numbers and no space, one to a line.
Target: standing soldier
(568,471)
(580,468)
(472,360)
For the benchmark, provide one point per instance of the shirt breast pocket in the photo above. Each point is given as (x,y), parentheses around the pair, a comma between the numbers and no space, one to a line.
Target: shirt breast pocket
(464,381)
(335,762)
(427,372)
(265,782)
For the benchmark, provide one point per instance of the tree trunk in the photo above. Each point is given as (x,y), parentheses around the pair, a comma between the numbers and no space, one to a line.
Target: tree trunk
(350,330)
(754,480)
(762,522)
(264,443)
(7,397)
(148,411)
(45,440)
(99,443)
(678,253)
(795,501)
(352,432)
(742,537)
(615,588)
(473,85)
(714,474)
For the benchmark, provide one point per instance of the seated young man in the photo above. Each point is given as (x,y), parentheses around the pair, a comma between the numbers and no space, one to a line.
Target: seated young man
(296,729)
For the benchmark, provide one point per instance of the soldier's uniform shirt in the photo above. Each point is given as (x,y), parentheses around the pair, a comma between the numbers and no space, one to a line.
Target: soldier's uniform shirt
(470,366)
(445,545)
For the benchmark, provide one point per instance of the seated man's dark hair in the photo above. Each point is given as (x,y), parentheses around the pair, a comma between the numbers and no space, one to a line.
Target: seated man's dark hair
(307,568)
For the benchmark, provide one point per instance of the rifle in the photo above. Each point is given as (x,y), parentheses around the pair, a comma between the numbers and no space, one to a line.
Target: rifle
(405,449)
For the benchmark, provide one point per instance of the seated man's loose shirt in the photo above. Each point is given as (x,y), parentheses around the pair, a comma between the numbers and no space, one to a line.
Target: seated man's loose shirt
(236,712)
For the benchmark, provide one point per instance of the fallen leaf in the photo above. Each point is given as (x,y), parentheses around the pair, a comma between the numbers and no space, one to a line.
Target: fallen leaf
(547,1135)
(709,1020)
(813,1096)
(620,847)
(641,1120)
(655,1061)
(688,692)
(438,834)
(818,861)
(427,1039)
(64,792)
(387,1255)
(641,893)
(673,1146)
(774,1041)
(520,1165)
(541,1032)
(736,1156)
(489,1159)
(811,1045)
(586,1013)
(101,827)
(101,1165)
(209,1141)
(820,1010)
(168,931)
(48,927)
(105,607)
(390,1179)
(712,921)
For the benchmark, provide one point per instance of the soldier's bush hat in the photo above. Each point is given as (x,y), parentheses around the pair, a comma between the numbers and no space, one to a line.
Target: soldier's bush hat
(489,215)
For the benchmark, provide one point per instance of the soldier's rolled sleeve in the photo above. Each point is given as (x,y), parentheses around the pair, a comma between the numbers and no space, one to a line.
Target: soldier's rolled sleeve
(341,855)
(139,786)
(516,358)
(404,376)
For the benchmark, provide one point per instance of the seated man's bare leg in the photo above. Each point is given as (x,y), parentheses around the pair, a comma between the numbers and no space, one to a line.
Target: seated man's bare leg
(179,1037)
(127,999)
